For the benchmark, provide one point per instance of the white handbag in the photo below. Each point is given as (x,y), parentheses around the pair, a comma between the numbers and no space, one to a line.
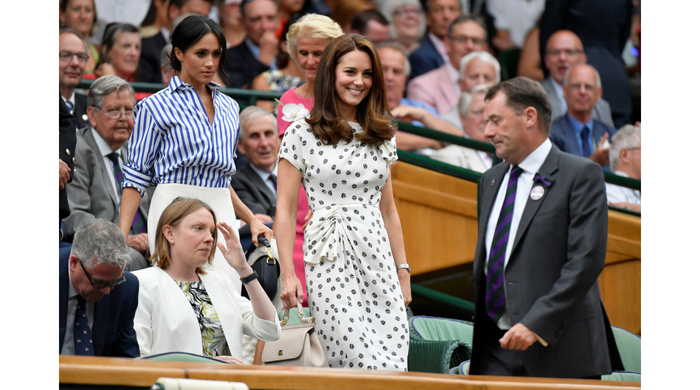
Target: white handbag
(299,345)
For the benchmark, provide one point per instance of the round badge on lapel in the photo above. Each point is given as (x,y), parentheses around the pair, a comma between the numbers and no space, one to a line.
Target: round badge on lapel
(85,117)
(537,193)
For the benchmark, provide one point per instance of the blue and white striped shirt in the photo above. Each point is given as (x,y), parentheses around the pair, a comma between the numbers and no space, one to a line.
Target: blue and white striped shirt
(173,142)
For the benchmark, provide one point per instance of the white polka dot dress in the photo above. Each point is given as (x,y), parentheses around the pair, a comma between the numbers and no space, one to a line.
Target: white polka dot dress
(352,286)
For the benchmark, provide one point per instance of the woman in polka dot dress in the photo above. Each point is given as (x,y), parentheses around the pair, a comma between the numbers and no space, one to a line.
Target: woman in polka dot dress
(353,242)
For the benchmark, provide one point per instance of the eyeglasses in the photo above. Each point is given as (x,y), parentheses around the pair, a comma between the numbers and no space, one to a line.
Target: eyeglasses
(117,113)
(406,11)
(633,149)
(577,86)
(568,52)
(100,285)
(67,56)
(460,39)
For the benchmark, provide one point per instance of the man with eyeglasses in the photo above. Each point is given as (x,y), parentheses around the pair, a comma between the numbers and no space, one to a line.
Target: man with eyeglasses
(578,132)
(72,58)
(100,152)
(97,297)
(626,161)
(564,49)
(440,88)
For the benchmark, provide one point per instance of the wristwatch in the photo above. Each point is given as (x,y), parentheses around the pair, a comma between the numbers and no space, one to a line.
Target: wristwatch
(403,266)
(249,278)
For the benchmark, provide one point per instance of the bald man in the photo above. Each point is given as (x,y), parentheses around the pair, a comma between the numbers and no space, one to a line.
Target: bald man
(564,49)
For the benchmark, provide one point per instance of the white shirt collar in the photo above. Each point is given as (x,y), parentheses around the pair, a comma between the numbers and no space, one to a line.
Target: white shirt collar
(532,163)
(104,147)
(264,175)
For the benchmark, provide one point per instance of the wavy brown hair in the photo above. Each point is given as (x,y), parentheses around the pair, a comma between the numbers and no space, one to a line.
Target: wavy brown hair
(373,111)
(176,211)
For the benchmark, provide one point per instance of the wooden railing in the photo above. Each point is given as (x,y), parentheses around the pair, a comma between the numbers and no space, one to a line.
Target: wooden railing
(440,226)
(109,372)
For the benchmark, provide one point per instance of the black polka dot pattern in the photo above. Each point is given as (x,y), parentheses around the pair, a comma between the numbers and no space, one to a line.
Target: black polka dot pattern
(352,287)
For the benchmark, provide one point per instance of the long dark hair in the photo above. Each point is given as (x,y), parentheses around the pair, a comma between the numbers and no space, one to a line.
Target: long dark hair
(372,112)
(189,32)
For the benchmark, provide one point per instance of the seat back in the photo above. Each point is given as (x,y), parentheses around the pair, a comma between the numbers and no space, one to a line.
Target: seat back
(182,357)
(628,376)
(630,347)
(436,329)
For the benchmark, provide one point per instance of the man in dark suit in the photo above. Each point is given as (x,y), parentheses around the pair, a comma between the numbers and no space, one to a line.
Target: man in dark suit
(257,52)
(577,132)
(542,231)
(96,188)
(256,183)
(72,59)
(97,299)
(431,54)
(66,158)
(149,62)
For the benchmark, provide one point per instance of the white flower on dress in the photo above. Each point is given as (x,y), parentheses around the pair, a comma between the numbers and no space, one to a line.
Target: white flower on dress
(292,112)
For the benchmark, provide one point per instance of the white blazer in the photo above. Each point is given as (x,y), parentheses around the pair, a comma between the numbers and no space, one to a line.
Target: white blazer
(165,321)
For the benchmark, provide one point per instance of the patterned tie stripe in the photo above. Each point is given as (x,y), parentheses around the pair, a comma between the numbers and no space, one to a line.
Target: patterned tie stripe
(139,224)
(70,106)
(273,179)
(495,292)
(82,338)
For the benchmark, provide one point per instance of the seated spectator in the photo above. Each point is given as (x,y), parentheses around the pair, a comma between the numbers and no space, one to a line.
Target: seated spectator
(100,152)
(439,88)
(156,19)
(72,57)
(166,67)
(472,113)
(407,25)
(577,132)
(478,68)
(149,61)
(396,70)
(66,158)
(200,313)
(256,183)
(97,299)
(80,16)
(372,24)
(626,160)
(564,49)
(439,15)
(231,21)
(513,20)
(285,77)
(258,51)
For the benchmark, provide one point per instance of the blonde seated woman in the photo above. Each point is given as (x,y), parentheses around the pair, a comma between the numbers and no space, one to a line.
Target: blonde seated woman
(181,307)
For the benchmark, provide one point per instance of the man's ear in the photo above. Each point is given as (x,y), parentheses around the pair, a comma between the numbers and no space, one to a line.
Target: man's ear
(530,115)
(92,116)
(241,147)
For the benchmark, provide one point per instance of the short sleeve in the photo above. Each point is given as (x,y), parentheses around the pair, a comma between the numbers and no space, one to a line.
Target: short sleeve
(388,151)
(292,144)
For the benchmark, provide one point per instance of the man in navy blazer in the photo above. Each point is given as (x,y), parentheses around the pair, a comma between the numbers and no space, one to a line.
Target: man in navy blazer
(577,132)
(543,233)
(431,54)
(92,273)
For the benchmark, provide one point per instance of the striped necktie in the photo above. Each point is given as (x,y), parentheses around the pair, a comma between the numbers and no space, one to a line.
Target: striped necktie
(69,104)
(495,292)
(273,179)
(139,224)
(82,337)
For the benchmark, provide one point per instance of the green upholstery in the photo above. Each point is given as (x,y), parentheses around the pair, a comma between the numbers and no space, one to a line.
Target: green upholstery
(182,357)
(630,347)
(438,344)
(623,376)
(294,315)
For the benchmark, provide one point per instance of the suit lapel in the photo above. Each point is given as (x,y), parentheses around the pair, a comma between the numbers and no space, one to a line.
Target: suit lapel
(548,168)
(99,324)
(62,300)
(260,184)
(109,188)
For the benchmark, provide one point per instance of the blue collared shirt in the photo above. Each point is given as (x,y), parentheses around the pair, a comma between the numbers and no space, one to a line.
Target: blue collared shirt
(578,128)
(173,142)
(256,52)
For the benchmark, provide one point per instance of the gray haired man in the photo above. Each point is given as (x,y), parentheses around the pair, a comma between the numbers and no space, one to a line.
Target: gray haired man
(97,298)
(100,152)
(626,160)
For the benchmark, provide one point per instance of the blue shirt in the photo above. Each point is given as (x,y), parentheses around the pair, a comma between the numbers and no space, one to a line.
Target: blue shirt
(173,142)
(416,103)
(578,128)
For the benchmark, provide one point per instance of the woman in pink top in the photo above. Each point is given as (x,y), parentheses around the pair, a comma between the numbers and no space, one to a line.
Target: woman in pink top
(306,40)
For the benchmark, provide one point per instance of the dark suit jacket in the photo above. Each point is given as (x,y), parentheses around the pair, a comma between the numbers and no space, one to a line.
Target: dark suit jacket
(91,194)
(66,150)
(149,62)
(551,278)
(425,58)
(113,328)
(253,191)
(563,135)
(80,110)
(601,110)
(242,67)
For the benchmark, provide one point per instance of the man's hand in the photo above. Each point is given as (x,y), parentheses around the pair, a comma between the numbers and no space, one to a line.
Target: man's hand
(409,113)
(518,337)
(63,174)
(600,155)
(269,47)
(139,242)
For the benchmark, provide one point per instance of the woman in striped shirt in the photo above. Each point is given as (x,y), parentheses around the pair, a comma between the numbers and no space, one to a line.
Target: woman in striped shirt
(185,136)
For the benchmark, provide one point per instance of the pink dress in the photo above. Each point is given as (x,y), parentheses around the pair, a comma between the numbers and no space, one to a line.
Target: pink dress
(290,97)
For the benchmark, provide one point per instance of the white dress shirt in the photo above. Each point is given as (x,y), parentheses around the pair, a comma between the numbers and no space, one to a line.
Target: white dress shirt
(265,176)
(106,150)
(618,194)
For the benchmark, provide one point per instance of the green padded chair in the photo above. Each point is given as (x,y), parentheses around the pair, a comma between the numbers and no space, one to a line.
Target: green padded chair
(623,376)
(438,345)
(630,347)
(182,357)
